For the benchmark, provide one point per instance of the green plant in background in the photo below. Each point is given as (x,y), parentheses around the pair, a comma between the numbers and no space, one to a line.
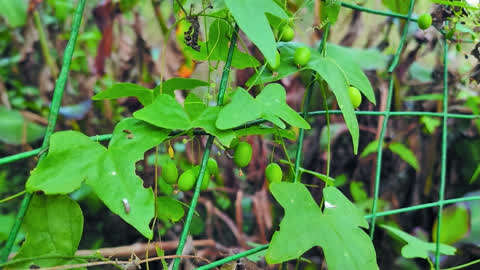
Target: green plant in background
(70,159)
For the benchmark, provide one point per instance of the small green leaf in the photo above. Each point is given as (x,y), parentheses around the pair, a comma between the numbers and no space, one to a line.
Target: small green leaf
(240,110)
(329,11)
(168,86)
(475,174)
(336,229)
(251,18)
(270,105)
(16,129)
(406,154)
(53,226)
(169,209)
(370,149)
(399,6)
(455,224)
(358,191)
(430,123)
(416,248)
(263,130)
(119,90)
(164,112)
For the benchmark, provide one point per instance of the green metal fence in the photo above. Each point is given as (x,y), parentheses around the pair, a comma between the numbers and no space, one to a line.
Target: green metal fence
(445,115)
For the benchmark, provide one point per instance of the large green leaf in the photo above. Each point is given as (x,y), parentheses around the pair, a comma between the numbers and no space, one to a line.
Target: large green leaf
(16,129)
(168,86)
(166,112)
(416,248)
(218,42)
(270,105)
(367,59)
(251,18)
(73,158)
(53,226)
(336,229)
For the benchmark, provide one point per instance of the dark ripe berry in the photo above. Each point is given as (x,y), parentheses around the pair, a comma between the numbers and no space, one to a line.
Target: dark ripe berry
(274,173)
(170,172)
(243,154)
(302,56)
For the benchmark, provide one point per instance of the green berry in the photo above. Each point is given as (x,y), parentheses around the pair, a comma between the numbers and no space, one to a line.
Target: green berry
(274,173)
(212,166)
(243,154)
(170,172)
(287,33)
(302,56)
(355,96)
(274,66)
(424,21)
(186,180)
(205,181)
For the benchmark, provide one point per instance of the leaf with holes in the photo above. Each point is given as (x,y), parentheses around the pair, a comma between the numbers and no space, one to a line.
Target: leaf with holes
(53,227)
(251,17)
(337,229)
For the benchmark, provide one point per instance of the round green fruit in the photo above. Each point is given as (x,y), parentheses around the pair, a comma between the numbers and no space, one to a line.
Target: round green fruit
(186,180)
(212,166)
(424,21)
(287,33)
(274,66)
(170,172)
(302,56)
(274,173)
(355,96)
(243,154)
(205,180)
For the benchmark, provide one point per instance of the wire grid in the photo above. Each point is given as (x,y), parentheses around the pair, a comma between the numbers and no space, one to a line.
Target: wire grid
(60,85)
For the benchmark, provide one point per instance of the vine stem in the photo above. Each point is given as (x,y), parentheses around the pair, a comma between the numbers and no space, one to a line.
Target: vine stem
(387,112)
(206,154)
(52,119)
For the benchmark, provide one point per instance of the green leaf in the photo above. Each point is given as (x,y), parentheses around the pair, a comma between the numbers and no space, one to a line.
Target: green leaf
(336,229)
(263,130)
(430,123)
(218,43)
(367,59)
(329,11)
(165,112)
(53,226)
(15,128)
(169,209)
(250,16)
(424,97)
(455,224)
(168,86)
(370,149)
(72,157)
(270,105)
(358,191)
(14,12)
(207,120)
(406,154)
(240,110)
(416,248)
(475,174)
(117,182)
(336,78)
(273,99)
(399,6)
(119,90)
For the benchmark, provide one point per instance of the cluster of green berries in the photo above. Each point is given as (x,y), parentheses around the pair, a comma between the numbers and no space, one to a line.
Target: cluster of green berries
(186,181)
